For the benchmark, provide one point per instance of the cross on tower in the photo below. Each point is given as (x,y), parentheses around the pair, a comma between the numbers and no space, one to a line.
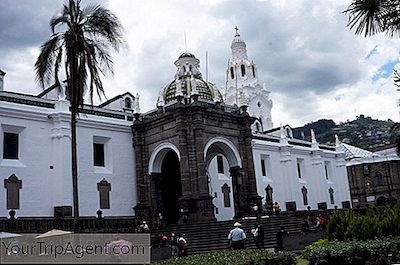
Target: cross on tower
(237,32)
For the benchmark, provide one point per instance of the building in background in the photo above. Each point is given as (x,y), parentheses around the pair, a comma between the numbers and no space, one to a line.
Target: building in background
(374,176)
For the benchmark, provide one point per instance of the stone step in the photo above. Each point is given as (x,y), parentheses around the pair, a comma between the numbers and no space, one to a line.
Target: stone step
(212,236)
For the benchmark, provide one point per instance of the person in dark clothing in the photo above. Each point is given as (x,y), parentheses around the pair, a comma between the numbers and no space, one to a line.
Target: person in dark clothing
(279,239)
(260,230)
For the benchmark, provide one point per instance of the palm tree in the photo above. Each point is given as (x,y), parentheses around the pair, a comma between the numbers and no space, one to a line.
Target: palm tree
(80,44)
(370,17)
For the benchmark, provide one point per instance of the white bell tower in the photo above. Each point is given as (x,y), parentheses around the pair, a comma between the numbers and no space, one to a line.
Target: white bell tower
(243,88)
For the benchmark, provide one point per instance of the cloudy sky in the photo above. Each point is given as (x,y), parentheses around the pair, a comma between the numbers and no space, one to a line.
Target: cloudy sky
(313,65)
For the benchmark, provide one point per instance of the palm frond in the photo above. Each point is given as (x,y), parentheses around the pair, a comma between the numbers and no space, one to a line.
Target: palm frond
(44,65)
(396,77)
(367,16)
(106,26)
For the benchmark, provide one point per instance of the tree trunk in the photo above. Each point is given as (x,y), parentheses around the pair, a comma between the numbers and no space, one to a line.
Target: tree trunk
(74,163)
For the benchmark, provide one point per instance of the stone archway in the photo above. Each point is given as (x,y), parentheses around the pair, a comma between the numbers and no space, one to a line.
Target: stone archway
(165,176)
(220,146)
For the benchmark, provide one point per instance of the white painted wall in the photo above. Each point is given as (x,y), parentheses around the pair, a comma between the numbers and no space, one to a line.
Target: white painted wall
(216,182)
(283,178)
(45,142)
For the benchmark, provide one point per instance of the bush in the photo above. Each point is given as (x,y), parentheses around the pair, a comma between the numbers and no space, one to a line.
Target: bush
(318,244)
(372,252)
(238,257)
(377,222)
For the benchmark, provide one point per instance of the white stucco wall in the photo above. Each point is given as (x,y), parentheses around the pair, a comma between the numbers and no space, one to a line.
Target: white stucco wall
(217,180)
(44,165)
(283,178)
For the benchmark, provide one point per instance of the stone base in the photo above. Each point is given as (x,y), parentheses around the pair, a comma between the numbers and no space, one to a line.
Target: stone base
(197,209)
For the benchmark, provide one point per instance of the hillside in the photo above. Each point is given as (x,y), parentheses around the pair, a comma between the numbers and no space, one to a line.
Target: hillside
(363,132)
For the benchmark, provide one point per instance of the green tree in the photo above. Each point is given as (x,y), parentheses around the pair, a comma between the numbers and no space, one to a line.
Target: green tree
(80,44)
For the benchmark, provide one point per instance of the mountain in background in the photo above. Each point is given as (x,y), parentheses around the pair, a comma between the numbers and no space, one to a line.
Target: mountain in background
(363,132)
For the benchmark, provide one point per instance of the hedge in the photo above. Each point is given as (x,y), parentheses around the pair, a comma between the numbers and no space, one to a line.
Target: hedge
(372,252)
(377,222)
(236,257)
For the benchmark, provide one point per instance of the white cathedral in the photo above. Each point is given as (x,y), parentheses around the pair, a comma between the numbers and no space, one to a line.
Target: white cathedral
(35,161)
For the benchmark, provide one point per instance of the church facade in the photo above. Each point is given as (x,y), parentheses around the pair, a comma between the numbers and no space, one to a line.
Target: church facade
(201,153)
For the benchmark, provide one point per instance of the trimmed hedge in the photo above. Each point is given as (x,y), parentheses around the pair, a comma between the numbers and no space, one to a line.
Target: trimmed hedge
(377,222)
(372,252)
(237,257)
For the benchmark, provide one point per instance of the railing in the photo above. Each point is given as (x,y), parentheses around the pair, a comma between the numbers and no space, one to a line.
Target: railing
(82,225)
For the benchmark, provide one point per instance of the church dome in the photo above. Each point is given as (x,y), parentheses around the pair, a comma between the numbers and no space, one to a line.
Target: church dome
(188,82)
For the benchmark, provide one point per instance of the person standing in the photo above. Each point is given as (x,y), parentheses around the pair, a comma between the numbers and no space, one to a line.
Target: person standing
(260,231)
(174,245)
(182,245)
(236,237)
(254,231)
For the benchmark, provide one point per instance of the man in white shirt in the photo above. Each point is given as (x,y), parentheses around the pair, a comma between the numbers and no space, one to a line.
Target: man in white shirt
(236,237)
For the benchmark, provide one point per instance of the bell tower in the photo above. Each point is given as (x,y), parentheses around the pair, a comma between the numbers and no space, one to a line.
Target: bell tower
(243,87)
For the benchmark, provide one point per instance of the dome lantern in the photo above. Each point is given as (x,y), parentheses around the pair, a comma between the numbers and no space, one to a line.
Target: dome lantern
(189,82)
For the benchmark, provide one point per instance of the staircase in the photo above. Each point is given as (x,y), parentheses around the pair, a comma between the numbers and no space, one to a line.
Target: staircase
(211,236)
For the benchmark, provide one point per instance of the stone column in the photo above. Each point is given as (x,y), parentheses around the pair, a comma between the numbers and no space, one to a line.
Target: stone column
(142,209)
(238,197)
(246,149)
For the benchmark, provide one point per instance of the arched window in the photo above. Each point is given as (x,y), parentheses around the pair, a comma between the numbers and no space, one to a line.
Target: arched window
(243,70)
(257,127)
(254,70)
(232,73)
(128,103)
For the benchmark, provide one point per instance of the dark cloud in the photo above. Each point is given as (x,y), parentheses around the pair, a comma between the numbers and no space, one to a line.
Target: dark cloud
(25,23)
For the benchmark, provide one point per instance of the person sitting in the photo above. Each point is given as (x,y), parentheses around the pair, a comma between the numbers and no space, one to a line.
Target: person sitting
(277,208)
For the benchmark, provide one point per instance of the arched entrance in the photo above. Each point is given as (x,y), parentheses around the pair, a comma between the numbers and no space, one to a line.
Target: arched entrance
(165,175)
(223,164)
(170,187)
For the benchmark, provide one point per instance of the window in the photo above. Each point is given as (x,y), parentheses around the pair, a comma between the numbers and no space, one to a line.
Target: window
(254,70)
(366,170)
(259,104)
(128,103)
(220,164)
(263,169)
(257,127)
(232,73)
(327,169)
(98,155)
(10,145)
(243,70)
(299,162)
